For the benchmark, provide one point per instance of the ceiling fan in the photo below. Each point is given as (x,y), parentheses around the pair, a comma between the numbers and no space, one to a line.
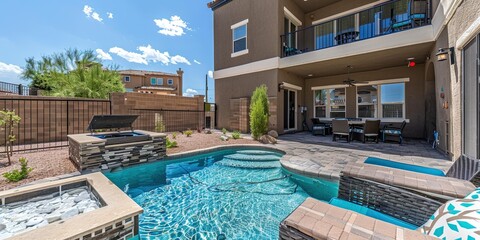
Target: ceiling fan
(350,82)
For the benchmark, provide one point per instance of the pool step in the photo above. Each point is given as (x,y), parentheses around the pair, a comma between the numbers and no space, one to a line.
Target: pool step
(252,158)
(248,164)
(254,152)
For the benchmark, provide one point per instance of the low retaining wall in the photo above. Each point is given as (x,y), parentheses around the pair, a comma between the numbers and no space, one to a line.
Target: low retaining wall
(92,153)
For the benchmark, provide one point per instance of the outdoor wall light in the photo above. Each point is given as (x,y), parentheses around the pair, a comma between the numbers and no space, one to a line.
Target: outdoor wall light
(442,54)
(281,86)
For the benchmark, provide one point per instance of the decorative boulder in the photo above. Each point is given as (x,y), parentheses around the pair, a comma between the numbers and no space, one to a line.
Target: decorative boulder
(273,133)
(224,138)
(271,139)
(263,139)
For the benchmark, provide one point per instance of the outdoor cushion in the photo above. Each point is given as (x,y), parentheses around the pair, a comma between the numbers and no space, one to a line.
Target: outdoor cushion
(456,219)
(391,131)
(475,195)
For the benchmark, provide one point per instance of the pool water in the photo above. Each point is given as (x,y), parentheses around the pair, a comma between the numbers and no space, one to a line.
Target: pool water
(234,194)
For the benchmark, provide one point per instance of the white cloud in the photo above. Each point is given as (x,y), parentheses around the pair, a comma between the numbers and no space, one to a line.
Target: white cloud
(190,92)
(129,56)
(92,14)
(110,15)
(210,74)
(152,55)
(197,62)
(10,68)
(148,54)
(103,55)
(179,59)
(173,27)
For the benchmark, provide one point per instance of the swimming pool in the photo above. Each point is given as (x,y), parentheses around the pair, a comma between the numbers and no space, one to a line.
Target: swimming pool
(228,194)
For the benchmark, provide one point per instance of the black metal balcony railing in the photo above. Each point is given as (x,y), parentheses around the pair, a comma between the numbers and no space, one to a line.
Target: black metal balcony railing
(383,19)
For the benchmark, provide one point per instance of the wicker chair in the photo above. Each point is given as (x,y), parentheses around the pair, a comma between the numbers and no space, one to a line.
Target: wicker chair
(371,129)
(340,128)
(392,131)
(320,127)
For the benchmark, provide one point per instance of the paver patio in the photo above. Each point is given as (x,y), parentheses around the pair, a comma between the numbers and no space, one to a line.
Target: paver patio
(319,156)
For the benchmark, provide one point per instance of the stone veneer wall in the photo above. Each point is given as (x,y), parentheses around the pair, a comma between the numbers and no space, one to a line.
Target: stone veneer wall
(123,229)
(90,153)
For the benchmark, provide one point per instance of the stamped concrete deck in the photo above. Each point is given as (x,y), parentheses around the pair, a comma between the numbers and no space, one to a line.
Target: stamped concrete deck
(318,156)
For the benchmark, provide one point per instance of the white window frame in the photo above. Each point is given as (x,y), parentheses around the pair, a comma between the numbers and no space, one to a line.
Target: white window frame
(379,97)
(328,104)
(125,78)
(292,19)
(233,27)
(170,81)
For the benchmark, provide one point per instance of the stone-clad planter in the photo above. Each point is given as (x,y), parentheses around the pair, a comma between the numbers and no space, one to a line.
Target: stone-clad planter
(116,217)
(92,153)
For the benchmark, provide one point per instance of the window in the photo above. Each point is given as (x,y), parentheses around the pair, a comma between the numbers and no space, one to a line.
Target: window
(153,81)
(159,81)
(170,81)
(471,101)
(290,32)
(330,103)
(126,79)
(367,103)
(381,101)
(393,100)
(239,31)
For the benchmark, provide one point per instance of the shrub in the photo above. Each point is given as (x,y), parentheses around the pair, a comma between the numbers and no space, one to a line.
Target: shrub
(17,175)
(188,133)
(224,131)
(259,112)
(174,135)
(159,124)
(8,121)
(236,135)
(171,144)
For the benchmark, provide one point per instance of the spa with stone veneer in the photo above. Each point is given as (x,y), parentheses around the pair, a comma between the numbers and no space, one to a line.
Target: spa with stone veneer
(83,207)
(96,151)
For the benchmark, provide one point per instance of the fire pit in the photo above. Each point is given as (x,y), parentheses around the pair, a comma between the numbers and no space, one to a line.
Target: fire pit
(100,150)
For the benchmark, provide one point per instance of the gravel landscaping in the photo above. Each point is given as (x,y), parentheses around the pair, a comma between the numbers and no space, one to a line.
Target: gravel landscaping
(52,163)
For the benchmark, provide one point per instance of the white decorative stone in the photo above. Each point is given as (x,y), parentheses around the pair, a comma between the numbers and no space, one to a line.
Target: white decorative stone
(53,217)
(5,235)
(19,227)
(82,196)
(34,221)
(69,213)
(88,209)
(2,227)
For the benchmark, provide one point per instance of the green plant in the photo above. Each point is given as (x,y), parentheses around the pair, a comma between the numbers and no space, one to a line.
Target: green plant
(171,144)
(236,135)
(8,120)
(259,112)
(224,131)
(17,175)
(174,135)
(188,133)
(159,124)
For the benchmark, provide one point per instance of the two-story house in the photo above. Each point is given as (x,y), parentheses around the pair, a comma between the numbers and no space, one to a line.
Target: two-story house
(397,60)
(153,82)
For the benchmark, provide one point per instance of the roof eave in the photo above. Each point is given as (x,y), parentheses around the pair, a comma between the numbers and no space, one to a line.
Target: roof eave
(216,4)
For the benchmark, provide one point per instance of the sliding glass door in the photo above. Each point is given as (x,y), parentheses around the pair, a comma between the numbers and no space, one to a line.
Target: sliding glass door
(471,100)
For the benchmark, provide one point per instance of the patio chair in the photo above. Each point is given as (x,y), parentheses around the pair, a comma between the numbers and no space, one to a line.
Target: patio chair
(390,130)
(340,128)
(370,129)
(320,127)
(416,16)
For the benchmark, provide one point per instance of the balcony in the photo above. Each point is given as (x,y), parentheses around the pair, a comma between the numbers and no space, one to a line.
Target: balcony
(384,19)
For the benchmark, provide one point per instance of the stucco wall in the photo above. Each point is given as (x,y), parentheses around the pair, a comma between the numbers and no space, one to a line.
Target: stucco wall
(262,34)
(450,76)
(241,87)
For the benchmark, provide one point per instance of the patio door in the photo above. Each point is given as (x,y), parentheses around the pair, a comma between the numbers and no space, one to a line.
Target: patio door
(290,109)
(471,100)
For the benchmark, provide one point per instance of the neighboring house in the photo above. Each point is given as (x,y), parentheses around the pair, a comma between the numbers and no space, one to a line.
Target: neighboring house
(300,50)
(153,82)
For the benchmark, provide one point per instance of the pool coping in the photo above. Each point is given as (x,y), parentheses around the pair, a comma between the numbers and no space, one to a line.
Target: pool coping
(220,147)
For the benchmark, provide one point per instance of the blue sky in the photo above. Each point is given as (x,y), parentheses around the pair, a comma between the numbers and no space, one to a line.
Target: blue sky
(156,35)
